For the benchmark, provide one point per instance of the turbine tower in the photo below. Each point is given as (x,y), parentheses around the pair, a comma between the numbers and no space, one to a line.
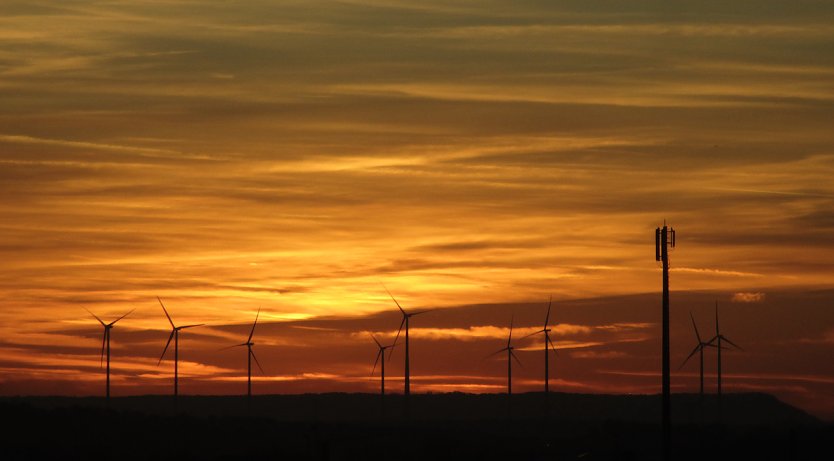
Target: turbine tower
(718,338)
(175,335)
(380,355)
(663,239)
(249,356)
(547,343)
(510,356)
(105,343)
(406,317)
(699,349)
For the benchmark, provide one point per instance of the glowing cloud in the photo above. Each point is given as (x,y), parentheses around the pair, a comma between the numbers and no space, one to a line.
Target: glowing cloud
(742,297)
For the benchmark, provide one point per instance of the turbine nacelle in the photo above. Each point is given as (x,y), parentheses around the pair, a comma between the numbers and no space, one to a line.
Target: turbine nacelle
(250,353)
(105,345)
(718,336)
(380,353)
(174,330)
(545,330)
(406,315)
(509,347)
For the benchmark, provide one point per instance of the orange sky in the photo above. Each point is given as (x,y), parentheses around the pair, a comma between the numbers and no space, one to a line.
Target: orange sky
(292,155)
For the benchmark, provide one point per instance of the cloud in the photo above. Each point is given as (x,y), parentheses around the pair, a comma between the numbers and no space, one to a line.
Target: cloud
(481,332)
(285,378)
(115,148)
(598,354)
(716,272)
(744,297)
(84,364)
(563,345)
(625,326)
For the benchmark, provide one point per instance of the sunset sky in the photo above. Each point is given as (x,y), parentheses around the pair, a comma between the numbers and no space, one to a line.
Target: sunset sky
(474,156)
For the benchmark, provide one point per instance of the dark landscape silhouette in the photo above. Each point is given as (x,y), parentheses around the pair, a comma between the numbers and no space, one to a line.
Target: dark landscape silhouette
(440,426)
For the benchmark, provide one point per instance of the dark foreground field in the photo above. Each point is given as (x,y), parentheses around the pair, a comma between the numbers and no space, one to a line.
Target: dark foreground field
(440,426)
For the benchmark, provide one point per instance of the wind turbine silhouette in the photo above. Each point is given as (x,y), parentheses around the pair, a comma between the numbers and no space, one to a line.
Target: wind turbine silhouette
(719,338)
(510,355)
(700,349)
(406,317)
(105,341)
(381,355)
(547,342)
(250,355)
(175,335)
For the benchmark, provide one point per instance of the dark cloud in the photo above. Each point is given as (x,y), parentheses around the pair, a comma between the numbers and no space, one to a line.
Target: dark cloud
(601,334)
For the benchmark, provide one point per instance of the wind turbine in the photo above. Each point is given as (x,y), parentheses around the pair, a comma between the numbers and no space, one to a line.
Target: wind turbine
(719,338)
(250,355)
(381,355)
(175,335)
(406,317)
(547,342)
(105,341)
(700,349)
(510,357)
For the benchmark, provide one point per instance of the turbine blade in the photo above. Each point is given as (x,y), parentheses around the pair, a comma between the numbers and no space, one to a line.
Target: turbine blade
(697,335)
(398,335)
(512,354)
(94,315)
(166,347)
(697,348)
(379,353)
(256,361)
(420,312)
(547,317)
(533,333)
(253,326)
(377,342)
(495,353)
(716,319)
(192,326)
(552,346)
(392,297)
(732,343)
(510,337)
(233,346)
(166,312)
(114,321)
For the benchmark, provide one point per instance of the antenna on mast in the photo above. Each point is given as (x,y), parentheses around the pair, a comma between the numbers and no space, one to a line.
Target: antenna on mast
(664,238)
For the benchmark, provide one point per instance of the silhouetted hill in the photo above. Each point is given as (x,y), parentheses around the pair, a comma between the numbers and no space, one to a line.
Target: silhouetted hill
(441,426)
(747,408)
